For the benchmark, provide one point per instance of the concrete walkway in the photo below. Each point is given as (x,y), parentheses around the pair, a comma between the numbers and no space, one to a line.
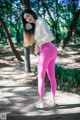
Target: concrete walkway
(17,99)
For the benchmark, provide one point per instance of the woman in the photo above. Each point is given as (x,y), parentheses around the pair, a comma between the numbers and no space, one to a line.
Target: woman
(48,53)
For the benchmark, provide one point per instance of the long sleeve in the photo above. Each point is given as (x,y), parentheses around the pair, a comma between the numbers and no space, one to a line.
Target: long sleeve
(42,33)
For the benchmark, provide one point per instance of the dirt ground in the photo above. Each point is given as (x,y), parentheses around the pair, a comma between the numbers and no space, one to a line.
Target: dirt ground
(70,57)
(14,97)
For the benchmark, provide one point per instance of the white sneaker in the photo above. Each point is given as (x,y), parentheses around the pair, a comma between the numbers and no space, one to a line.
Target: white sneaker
(40,105)
(50,103)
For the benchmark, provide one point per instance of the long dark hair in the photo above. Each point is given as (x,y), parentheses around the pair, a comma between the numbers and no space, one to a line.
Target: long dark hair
(31,31)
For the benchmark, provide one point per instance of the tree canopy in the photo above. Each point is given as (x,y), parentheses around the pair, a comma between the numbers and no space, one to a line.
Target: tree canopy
(58,14)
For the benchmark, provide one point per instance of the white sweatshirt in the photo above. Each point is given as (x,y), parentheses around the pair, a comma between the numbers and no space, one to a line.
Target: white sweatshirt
(42,32)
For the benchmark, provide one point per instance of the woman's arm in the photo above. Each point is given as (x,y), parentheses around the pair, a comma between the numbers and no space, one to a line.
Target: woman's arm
(42,33)
(37,49)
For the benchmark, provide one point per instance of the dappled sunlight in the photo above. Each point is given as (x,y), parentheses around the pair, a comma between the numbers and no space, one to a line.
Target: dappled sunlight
(18,88)
(66,58)
(21,99)
(15,98)
(18,95)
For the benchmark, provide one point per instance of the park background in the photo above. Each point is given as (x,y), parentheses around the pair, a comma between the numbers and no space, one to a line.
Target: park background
(63,19)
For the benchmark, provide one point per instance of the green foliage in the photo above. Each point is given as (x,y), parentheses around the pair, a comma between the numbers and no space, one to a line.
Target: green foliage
(67,79)
(57,16)
(34,69)
(11,15)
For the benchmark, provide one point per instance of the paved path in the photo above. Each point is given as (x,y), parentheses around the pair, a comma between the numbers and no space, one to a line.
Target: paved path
(17,100)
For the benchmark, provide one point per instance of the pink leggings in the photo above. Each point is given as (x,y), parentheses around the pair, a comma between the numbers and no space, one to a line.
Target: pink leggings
(46,62)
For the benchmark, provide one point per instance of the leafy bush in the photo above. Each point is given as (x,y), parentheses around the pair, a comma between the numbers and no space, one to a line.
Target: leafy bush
(68,79)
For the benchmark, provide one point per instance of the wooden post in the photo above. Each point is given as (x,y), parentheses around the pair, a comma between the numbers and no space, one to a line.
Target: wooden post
(26,49)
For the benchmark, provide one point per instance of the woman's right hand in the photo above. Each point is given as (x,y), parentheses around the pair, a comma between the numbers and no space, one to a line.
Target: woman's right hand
(37,49)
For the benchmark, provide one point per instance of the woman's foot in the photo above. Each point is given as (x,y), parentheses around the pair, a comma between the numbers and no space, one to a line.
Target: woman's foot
(40,104)
(50,103)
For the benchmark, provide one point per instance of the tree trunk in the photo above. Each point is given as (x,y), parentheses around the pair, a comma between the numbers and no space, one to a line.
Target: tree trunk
(10,41)
(26,3)
(71,28)
(73,37)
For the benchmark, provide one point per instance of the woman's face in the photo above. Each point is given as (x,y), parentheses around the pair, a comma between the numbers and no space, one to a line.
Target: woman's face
(29,18)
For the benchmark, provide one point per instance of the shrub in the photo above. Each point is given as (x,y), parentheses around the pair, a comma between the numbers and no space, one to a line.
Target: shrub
(67,79)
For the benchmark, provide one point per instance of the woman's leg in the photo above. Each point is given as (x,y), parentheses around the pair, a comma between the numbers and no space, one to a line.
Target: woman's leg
(42,66)
(47,62)
(45,57)
(51,75)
